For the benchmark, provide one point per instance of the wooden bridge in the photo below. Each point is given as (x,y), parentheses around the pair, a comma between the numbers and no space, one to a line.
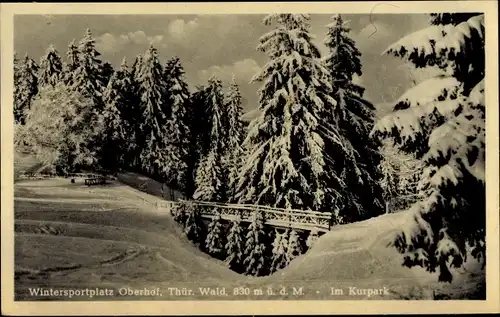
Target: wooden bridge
(276,217)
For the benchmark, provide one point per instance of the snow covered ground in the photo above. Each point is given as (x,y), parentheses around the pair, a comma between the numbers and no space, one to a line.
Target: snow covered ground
(102,237)
(72,236)
(357,256)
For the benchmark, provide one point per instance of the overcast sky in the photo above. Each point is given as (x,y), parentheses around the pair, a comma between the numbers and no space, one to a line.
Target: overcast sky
(220,44)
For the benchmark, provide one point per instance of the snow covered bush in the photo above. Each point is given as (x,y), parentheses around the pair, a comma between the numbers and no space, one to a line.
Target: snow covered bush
(442,121)
(59,127)
(311,238)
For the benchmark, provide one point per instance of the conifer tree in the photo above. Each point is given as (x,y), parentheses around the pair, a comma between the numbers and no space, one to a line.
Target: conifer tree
(50,71)
(442,122)
(354,118)
(88,76)
(235,246)
(140,139)
(154,112)
(193,227)
(214,242)
(128,102)
(200,136)
(179,213)
(87,80)
(211,176)
(73,61)
(17,75)
(343,59)
(255,246)
(280,247)
(287,159)
(201,119)
(177,125)
(294,248)
(107,72)
(119,118)
(17,68)
(208,178)
(27,88)
(234,151)
(137,67)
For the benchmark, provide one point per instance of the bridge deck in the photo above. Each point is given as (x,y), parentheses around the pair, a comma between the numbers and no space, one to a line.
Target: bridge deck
(276,223)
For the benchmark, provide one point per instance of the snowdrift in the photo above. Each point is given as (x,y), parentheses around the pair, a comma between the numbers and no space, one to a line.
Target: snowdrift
(359,255)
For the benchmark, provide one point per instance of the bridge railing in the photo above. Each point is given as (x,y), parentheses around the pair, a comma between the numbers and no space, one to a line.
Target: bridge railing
(293,218)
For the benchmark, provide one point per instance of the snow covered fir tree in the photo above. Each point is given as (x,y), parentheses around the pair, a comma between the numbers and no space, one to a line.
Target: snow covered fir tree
(319,152)
(212,171)
(255,261)
(50,70)
(214,242)
(277,145)
(235,246)
(119,118)
(26,86)
(442,122)
(234,152)
(177,125)
(155,111)
(353,118)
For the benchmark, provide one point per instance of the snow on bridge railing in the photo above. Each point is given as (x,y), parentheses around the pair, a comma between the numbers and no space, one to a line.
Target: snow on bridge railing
(294,218)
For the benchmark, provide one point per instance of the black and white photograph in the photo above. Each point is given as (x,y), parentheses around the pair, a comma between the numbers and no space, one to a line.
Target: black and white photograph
(292,156)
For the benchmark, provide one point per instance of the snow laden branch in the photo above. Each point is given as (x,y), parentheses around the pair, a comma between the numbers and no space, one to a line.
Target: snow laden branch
(439,44)
(442,122)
